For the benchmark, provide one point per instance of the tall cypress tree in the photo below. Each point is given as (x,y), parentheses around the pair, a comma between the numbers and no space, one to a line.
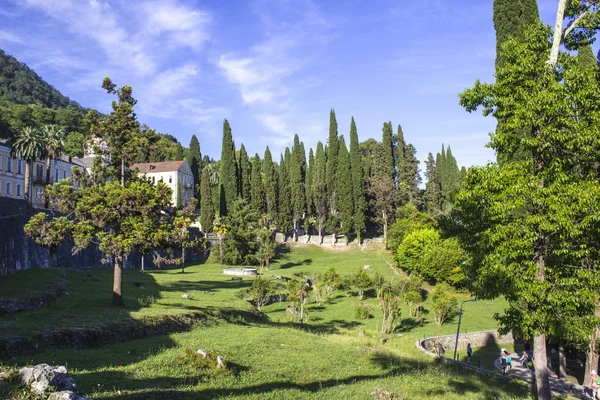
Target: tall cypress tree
(258,201)
(433,187)
(244,174)
(385,163)
(310,204)
(298,191)
(195,161)
(344,197)
(227,171)
(586,58)
(207,210)
(403,181)
(271,184)
(511,17)
(320,196)
(284,219)
(332,155)
(411,174)
(358,185)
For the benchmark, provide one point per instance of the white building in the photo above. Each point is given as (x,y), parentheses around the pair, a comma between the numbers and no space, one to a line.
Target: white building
(175,174)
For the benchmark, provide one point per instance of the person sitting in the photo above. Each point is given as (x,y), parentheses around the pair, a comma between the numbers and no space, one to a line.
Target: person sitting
(524,360)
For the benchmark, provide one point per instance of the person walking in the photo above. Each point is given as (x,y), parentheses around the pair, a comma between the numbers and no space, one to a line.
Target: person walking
(594,384)
(469,352)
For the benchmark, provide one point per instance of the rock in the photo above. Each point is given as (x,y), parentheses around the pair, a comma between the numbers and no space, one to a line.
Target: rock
(221,362)
(186,296)
(367,267)
(65,395)
(236,278)
(43,377)
(202,352)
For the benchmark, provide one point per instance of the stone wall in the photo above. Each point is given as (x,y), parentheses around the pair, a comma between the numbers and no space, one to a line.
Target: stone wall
(477,339)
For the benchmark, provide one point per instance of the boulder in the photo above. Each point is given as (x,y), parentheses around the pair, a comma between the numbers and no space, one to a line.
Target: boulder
(43,378)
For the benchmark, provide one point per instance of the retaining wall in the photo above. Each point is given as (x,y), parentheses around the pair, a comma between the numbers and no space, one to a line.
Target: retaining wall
(477,339)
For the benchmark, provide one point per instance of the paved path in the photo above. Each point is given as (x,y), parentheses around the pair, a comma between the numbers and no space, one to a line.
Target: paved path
(556,384)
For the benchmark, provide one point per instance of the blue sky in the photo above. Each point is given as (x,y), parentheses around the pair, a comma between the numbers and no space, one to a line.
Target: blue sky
(273,68)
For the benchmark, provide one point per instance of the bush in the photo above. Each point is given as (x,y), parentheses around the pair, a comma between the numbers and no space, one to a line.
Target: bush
(409,253)
(444,304)
(146,301)
(362,311)
(362,281)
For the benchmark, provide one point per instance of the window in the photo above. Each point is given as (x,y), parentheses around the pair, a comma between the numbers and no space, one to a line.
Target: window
(39,193)
(8,188)
(19,166)
(55,174)
(18,190)
(153,181)
(170,178)
(160,179)
(64,174)
(8,164)
(0,162)
(40,172)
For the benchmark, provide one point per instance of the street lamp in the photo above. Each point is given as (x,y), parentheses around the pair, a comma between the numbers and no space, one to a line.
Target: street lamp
(459,318)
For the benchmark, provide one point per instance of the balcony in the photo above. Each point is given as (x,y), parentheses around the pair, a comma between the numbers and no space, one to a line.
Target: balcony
(41,180)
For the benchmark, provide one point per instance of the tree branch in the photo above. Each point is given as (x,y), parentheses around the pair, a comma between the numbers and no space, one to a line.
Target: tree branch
(574,24)
(558,36)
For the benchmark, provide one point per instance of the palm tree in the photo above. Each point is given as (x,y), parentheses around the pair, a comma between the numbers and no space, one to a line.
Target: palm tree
(28,145)
(55,145)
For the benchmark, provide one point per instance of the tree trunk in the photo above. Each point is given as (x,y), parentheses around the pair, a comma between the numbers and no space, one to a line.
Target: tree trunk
(143,263)
(182,259)
(122,172)
(27,181)
(358,239)
(48,165)
(558,33)
(320,236)
(562,360)
(540,361)
(385,229)
(591,360)
(117,299)
(295,230)
(221,251)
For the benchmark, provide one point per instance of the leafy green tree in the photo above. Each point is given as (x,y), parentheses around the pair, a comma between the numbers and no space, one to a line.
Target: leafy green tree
(358,183)
(227,172)
(409,254)
(443,261)
(297,171)
(28,145)
(320,196)
(195,161)
(245,175)
(117,218)
(241,244)
(221,230)
(75,144)
(363,282)
(207,209)
(408,220)
(266,247)
(413,293)
(299,293)
(444,304)
(271,184)
(331,281)
(344,200)
(260,293)
(389,299)
(534,220)
(258,200)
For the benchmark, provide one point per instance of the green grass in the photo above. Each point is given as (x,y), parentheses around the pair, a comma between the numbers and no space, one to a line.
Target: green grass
(28,283)
(334,355)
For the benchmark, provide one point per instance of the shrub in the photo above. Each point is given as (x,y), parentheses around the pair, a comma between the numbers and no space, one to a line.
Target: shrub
(146,301)
(362,281)
(409,253)
(362,311)
(444,304)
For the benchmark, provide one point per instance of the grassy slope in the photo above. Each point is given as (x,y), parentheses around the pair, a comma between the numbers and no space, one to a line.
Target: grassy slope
(276,358)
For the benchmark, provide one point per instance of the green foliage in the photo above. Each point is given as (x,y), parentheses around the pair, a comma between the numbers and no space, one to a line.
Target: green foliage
(257,191)
(260,293)
(444,304)
(240,246)
(344,200)
(320,188)
(363,311)
(227,172)
(270,184)
(194,159)
(587,59)
(266,246)
(284,217)
(511,18)
(331,281)
(358,182)
(332,160)
(408,219)
(444,261)
(389,299)
(407,170)
(409,254)
(196,361)
(362,281)
(413,293)
(207,210)
(146,300)
(244,171)
(297,170)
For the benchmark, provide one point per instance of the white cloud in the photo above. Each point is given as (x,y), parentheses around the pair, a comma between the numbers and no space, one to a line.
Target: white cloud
(9,37)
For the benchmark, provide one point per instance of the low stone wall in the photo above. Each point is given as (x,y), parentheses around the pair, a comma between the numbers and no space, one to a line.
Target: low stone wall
(9,306)
(477,339)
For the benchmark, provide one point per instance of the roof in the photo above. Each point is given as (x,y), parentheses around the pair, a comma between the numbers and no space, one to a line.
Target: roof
(165,166)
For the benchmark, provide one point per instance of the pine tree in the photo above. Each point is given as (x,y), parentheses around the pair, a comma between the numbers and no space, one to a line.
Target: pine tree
(195,161)
(271,184)
(296,168)
(358,194)
(344,201)
(332,154)
(586,58)
(207,210)
(511,17)
(227,171)
(244,174)
(433,187)
(284,218)
(258,202)
(320,196)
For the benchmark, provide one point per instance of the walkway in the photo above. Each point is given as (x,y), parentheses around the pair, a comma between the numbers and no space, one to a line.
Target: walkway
(556,384)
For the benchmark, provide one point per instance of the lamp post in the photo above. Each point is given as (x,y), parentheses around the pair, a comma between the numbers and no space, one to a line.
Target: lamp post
(459,318)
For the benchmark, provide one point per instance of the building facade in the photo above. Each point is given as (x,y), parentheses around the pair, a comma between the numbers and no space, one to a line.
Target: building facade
(175,174)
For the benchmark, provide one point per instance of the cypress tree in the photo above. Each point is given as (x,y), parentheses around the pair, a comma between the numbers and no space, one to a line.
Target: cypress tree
(310,204)
(411,174)
(284,219)
(344,197)
(298,190)
(358,186)
(320,196)
(586,58)
(268,168)
(388,151)
(404,179)
(332,153)
(179,153)
(258,202)
(511,17)
(244,174)
(227,172)
(433,187)
(195,161)
(207,210)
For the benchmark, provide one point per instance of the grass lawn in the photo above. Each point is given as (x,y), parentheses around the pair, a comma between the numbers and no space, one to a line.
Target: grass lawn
(334,355)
